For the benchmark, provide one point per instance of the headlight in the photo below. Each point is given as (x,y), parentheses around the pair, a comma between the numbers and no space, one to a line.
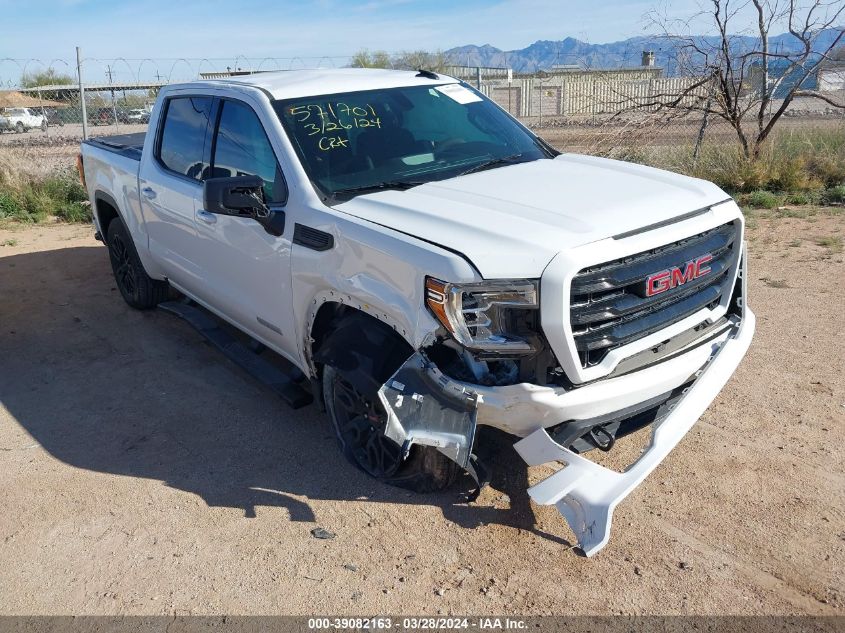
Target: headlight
(479,315)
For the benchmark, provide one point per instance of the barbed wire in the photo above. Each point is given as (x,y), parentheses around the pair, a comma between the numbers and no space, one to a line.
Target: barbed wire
(175,69)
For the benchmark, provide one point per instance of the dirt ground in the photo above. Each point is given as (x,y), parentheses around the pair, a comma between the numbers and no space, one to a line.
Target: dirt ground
(142,473)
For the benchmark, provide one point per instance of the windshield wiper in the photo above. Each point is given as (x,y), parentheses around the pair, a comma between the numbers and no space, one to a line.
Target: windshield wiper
(494,162)
(401,185)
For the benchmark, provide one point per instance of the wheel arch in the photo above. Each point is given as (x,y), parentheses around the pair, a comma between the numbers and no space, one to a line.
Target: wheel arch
(105,210)
(335,323)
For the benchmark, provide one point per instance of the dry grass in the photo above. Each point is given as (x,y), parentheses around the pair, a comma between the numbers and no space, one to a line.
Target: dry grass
(832,243)
(808,161)
(29,198)
(804,162)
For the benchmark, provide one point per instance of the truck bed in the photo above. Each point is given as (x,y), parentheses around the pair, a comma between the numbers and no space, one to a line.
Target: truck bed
(129,145)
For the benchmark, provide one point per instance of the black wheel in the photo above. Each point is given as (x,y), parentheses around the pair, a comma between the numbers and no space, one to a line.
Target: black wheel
(138,289)
(44,126)
(359,423)
(19,128)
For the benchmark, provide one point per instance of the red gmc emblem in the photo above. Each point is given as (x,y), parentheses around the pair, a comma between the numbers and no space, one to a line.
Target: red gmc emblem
(678,276)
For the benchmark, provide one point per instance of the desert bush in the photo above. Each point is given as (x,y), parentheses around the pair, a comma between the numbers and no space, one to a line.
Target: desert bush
(32,199)
(762,199)
(801,160)
(803,198)
(834,195)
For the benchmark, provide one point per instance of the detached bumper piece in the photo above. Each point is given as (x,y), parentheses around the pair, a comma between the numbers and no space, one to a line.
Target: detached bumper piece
(427,408)
(585,493)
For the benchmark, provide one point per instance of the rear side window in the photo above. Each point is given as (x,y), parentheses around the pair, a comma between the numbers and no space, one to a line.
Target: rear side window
(242,148)
(183,136)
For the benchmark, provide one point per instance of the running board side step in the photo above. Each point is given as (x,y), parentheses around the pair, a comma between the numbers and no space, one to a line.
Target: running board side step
(294,394)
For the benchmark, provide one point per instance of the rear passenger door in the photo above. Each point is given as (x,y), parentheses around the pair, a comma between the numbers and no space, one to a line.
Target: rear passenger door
(246,269)
(171,187)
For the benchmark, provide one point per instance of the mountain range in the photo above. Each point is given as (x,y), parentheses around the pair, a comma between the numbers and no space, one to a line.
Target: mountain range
(544,54)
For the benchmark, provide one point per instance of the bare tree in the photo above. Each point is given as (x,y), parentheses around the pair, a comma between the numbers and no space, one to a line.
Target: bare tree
(742,79)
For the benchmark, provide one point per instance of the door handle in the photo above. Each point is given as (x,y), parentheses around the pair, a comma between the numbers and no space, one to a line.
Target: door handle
(205,216)
(149,192)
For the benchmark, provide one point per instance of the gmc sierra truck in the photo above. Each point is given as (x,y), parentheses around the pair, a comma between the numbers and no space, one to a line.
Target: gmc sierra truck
(425,264)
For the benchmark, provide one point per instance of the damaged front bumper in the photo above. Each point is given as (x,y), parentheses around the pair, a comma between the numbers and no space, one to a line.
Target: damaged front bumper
(585,493)
(427,408)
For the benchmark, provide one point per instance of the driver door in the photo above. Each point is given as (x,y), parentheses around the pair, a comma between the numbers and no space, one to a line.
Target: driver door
(246,271)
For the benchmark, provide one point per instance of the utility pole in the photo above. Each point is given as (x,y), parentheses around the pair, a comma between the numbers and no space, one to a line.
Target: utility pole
(43,113)
(81,93)
(113,106)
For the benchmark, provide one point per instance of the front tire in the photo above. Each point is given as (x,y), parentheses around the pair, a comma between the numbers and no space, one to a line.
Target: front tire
(359,425)
(137,288)
(19,128)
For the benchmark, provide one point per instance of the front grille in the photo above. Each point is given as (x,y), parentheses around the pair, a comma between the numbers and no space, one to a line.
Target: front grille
(609,305)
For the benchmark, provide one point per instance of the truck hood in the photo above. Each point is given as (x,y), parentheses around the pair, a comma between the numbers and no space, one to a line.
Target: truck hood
(511,221)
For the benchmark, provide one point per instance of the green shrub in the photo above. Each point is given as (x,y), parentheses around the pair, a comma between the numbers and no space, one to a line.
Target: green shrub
(802,160)
(74,212)
(803,198)
(762,199)
(10,207)
(834,195)
(32,199)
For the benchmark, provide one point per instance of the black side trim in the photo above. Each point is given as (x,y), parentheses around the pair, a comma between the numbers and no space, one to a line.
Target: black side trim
(312,238)
(103,196)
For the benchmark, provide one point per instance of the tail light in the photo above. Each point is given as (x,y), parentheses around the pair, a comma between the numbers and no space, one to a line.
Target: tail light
(81,169)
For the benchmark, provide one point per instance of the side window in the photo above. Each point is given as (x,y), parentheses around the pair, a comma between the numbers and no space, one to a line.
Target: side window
(242,148)
(183,135)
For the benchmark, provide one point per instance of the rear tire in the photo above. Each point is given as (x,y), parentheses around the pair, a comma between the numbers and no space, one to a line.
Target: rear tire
(363,443)
(138,289)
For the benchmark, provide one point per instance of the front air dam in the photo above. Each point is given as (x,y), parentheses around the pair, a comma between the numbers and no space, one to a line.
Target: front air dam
(585,493)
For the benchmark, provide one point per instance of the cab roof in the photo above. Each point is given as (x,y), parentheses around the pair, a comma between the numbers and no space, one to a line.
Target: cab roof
(291,84)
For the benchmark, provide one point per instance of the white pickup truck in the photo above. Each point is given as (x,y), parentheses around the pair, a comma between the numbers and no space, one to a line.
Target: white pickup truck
(427,264)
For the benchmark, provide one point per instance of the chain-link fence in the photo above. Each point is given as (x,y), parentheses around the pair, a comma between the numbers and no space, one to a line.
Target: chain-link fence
(622,111)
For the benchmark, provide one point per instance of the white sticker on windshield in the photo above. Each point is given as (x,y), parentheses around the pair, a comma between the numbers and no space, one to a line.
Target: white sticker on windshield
(458,93)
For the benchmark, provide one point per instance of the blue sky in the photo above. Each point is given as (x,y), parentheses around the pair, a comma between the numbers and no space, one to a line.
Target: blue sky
(255,29)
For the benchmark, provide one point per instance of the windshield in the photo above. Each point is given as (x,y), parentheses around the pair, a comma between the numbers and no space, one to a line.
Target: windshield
(360,142)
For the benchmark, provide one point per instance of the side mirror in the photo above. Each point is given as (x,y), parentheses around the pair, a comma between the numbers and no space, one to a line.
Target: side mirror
(242,196)
(239,195)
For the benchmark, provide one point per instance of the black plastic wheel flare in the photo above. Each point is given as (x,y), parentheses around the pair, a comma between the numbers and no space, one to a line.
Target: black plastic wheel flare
(361,424)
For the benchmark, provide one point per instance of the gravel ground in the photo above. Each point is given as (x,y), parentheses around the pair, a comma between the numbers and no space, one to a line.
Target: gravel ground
(145,474)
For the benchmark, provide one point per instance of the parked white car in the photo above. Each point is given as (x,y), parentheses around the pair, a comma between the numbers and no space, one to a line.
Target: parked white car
(138,115)
(25,119)
(426,265)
